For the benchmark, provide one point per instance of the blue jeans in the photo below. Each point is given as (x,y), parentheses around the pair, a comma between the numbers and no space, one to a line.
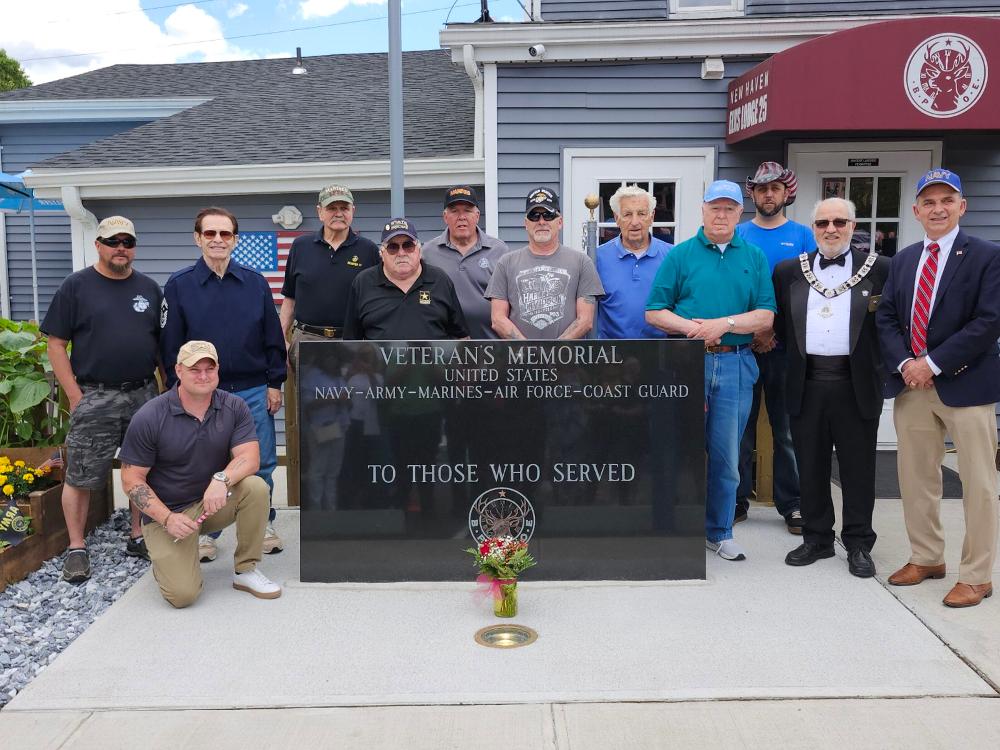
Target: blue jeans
(729,380)
(773,370)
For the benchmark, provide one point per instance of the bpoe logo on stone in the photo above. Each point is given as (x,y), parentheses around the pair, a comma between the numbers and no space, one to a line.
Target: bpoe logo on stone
(945,75)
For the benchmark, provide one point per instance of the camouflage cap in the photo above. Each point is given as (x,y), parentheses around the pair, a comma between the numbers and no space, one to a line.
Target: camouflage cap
(194,351)
(115,225)
(333,193)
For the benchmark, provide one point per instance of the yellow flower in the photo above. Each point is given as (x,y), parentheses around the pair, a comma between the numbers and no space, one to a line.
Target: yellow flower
(19,462)
(29,478)
(8,489)
(3,478)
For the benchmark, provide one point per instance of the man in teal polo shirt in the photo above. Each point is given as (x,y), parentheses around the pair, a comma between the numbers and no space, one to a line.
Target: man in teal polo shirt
(716,287)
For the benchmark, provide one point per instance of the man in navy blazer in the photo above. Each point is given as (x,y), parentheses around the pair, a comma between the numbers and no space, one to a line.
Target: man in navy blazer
(938,324)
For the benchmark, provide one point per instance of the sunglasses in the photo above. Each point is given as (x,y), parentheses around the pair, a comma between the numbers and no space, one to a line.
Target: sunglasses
(539,215)
(127,242)
(209,234)
(394,247)
(824,223)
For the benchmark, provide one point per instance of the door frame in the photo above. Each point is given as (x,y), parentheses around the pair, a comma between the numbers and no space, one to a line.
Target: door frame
(574,215)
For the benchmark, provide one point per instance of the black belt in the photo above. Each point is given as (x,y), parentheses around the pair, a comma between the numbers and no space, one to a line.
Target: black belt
(128,385)
(724,348)
(330,332)
(820,367)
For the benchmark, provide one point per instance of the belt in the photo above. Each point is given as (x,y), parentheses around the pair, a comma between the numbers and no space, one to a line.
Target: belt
(724,349)
(128,385)
(330,332)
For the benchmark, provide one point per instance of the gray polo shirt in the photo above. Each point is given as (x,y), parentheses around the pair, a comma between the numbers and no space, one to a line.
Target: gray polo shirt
(470,274)
(181,451)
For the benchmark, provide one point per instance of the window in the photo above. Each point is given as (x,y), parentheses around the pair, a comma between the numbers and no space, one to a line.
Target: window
(877,199)
(664,215)
(706,8)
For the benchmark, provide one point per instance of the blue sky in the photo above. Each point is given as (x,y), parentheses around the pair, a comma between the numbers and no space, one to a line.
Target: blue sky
(56,38)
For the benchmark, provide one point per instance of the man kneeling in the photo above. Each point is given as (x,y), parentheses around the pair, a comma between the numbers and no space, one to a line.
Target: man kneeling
(188,463)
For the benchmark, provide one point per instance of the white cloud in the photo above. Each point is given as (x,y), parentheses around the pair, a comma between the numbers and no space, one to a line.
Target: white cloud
(326,8)
(237,10)
(61,38)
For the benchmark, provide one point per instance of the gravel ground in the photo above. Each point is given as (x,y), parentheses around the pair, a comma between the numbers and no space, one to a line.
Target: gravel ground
(41,615)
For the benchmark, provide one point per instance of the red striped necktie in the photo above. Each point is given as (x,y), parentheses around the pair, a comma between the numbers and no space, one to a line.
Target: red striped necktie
(922,303)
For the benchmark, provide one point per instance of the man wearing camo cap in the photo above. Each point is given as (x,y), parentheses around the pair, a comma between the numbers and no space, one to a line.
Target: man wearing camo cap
(111,314)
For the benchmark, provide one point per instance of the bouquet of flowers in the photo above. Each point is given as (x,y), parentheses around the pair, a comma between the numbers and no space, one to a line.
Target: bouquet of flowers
(500,560)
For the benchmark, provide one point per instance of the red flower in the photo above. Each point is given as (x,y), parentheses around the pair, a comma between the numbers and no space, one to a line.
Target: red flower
(485,548)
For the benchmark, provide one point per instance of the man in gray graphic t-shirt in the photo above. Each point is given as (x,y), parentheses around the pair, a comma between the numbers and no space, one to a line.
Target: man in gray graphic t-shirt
(544,290)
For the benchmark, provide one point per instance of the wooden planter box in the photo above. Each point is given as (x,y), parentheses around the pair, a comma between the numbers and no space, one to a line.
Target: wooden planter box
(49,537)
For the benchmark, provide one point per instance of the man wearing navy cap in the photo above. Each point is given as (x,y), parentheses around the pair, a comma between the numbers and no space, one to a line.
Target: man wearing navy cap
(716,287)
(938,323)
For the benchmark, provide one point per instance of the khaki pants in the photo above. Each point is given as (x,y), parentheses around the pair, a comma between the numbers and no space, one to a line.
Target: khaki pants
(293,346)
(921,423)
(176,566)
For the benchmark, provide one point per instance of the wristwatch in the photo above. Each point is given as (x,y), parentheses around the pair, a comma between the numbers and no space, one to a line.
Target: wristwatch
(220,476)
(732,322)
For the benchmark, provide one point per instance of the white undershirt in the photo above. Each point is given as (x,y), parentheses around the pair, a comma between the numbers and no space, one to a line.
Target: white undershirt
(828,321)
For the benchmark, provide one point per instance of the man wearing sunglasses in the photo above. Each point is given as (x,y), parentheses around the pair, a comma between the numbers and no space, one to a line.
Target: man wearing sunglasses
(110,313)
(715,287)
(403,299)
(230,306)
(826,317)
(544,290)
(939,322)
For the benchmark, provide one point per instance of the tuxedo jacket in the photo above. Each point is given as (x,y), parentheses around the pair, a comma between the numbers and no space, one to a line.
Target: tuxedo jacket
(792,292)
(964,323)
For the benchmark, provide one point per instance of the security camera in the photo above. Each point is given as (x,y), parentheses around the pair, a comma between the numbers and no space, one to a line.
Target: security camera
(537,50)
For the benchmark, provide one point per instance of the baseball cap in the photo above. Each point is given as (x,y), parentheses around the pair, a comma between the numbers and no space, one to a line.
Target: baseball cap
(542,197)
(396,227)
(724,189)
(771,171)
(194,351)
(939,177)
(461,194)
(332,193)
(115,225)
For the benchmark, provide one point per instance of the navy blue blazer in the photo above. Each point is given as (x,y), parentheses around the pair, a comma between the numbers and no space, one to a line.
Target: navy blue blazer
(964,324)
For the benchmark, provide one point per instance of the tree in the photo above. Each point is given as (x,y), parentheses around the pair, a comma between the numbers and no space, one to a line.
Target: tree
(12,75)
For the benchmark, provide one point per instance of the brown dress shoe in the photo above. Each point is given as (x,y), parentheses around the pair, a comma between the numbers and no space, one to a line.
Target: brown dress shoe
(968,594)
(911,574)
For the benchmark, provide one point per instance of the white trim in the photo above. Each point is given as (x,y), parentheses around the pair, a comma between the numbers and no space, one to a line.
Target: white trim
(4,288)
(83,228)
(472,70)
(625,40)
(491,199)
(94,110)
(534,10)
(250,179)
(830,147)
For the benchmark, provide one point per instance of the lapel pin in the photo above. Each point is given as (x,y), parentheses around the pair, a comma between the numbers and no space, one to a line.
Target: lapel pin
(864,292)
(959,252)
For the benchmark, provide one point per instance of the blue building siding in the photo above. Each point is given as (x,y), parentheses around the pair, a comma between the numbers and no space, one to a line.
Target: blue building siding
(22,146)
(604,10)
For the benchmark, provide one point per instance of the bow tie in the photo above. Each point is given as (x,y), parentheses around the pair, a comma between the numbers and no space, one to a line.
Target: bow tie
(840,260)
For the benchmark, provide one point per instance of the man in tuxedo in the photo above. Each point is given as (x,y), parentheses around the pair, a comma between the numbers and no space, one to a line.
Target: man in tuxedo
(938,324)
(826,305)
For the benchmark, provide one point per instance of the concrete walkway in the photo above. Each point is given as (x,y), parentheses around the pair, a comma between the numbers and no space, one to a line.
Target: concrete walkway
(725,663)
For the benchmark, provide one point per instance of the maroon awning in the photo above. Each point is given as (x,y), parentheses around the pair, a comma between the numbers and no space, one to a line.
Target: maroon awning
(912,74)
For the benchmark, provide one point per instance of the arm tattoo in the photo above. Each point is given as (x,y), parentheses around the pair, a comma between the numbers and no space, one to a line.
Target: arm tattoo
(140,496)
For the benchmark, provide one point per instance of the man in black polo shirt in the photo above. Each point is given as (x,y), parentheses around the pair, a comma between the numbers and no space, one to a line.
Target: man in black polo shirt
(403,299)
(111,314)
(188,463)
(321,268)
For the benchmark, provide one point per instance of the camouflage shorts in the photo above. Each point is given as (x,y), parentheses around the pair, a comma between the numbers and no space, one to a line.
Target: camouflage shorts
(96,430)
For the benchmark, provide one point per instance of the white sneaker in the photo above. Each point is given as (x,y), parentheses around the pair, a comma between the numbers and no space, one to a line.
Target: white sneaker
(207,551)
(272,542)
(727,549)
(256,583)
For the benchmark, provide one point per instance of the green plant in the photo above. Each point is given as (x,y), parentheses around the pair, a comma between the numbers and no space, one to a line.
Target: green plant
(502,558)
(30,413)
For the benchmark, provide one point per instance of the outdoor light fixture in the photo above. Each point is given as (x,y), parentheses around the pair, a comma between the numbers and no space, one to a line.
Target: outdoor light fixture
(506,636)
(712,69)
(299,69)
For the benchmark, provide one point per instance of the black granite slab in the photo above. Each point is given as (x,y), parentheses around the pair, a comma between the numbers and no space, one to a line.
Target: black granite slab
(593,451)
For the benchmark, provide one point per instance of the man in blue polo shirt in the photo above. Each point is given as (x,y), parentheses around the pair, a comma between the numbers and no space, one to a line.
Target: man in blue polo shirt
(627,266)
(716,287)
(232,307)
(772,188)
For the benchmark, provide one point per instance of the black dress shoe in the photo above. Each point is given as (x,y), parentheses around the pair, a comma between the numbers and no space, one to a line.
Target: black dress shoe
(808,553)
(860,563)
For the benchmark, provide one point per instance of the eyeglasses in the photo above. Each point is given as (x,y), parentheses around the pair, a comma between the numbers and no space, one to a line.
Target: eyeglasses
(394,247)
(824,223)
(210,234)
(127,242)
(539,215)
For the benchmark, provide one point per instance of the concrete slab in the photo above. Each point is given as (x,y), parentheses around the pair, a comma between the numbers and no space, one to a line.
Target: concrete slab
(739,635)
(39,730)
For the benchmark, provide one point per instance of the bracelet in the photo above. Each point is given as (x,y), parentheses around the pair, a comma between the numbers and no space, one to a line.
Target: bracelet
(165,520)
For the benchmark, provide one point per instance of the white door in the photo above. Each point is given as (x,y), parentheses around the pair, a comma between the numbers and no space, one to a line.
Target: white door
(677,177)
(880,179)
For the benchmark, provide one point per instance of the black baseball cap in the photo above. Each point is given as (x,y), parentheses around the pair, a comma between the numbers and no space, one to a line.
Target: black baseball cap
(396,227)
(542,197)
(461,194)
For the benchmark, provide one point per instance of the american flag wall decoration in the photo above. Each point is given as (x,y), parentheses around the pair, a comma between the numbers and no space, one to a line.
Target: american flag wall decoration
(266,252)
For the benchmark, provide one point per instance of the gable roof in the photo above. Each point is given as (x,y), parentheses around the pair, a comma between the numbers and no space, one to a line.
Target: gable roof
(259,113)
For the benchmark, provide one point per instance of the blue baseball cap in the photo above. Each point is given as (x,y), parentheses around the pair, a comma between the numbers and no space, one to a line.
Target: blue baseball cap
(396,227)
(940,177)
(724,189)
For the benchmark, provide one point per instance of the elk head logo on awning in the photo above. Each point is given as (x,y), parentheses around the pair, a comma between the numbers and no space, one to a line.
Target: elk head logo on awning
(945,75)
